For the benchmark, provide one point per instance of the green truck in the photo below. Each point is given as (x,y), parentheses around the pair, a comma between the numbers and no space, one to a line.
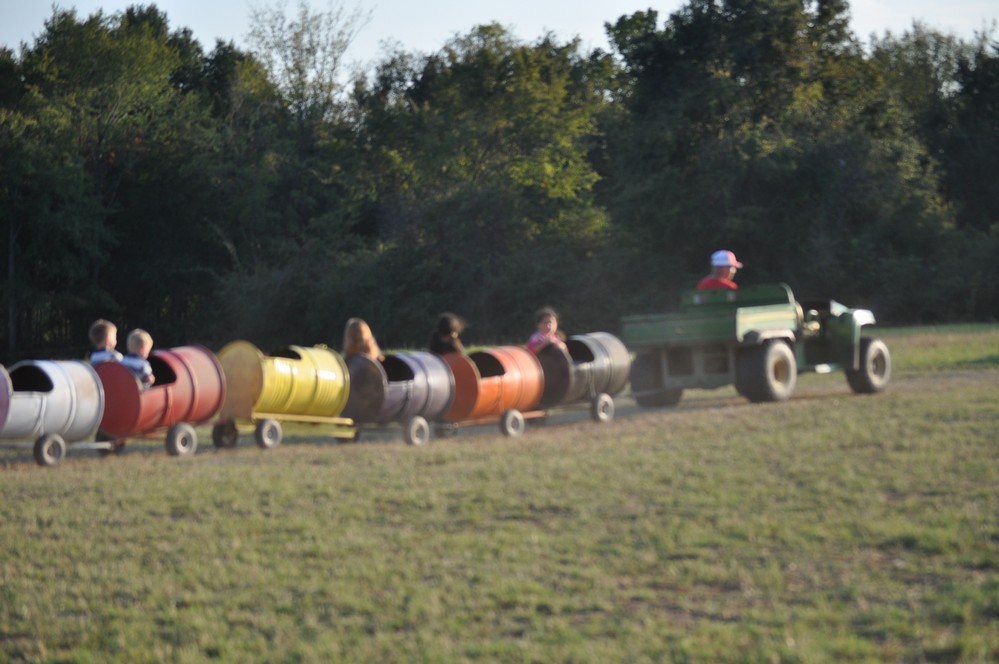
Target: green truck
(758,339)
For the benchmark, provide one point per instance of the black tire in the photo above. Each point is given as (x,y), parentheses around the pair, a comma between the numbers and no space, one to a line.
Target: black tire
(115,448)
(602,408)
(416,431)
(225,435)
(268,434)
(181,440)
(647,383)
(875,367)
(744,367)
(767,372)
(661,399)
(446,429)
(49,450)
(512,423)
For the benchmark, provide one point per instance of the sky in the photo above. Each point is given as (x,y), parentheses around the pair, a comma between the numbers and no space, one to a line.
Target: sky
(426,26)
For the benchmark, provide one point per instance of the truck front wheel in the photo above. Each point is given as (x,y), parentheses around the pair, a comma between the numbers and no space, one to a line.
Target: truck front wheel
(875,367)
(767,372)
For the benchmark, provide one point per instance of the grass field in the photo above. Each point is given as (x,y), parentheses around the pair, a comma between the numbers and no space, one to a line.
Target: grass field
(829,528)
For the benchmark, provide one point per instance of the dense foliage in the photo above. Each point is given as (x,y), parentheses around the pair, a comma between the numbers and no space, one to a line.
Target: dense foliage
(233,193)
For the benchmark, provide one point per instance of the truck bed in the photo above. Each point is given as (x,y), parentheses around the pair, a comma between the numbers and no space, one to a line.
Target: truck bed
(715,317)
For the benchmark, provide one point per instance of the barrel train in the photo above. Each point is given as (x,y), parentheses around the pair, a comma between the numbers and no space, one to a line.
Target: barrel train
(57,403)
(757,339)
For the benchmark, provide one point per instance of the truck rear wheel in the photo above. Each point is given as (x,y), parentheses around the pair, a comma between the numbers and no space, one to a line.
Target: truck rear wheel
(647,383)
(659,399)
(767,372)
(875,367)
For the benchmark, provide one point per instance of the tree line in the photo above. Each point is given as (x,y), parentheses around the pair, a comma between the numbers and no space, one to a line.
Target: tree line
(259,193)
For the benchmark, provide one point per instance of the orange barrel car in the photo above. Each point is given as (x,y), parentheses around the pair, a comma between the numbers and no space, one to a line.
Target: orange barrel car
(52,402)
(293,384)
(410,388)
(593,366)
(189,390)
(504,383)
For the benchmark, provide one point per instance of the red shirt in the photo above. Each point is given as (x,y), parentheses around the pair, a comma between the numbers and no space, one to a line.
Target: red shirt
(709,283)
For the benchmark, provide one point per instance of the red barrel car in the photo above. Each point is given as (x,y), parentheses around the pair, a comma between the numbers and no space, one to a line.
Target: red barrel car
(189,390)
(501,384)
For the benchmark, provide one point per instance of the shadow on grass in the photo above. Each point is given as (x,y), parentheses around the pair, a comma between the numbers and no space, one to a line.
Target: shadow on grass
(987,362)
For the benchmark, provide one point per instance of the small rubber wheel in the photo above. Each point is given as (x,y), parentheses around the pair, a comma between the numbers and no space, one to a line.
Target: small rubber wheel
(181,440)
(512,423)
(416,431)
(602,408)
(225,434)
(49,449)
(268,434)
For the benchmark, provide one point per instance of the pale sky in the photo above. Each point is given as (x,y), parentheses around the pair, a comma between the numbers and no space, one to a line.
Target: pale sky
(426,26)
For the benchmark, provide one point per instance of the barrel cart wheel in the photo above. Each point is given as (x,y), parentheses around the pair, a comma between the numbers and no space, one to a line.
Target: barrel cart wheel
(512,423)
(602,408)
(49,450)
(181,440)
(268,434)
(225,434)
(416,431)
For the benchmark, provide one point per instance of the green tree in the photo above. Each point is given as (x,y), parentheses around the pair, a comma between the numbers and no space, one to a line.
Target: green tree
(54,237)
(801,159)
(305,55)
(484,188)
(971,142)
(135,117)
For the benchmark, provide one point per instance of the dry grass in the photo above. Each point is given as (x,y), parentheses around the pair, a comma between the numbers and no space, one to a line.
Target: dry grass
(833,527)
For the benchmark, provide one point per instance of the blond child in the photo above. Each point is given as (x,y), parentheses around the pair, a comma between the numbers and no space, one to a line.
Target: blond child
(357,338)
(104,339)
(139,344)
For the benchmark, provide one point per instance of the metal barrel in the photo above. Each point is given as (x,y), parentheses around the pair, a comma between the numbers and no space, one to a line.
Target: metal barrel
(294,380)
(600,364)
(368,385)
(6,392)
(401,386)
(419,383)
(63,397)
(190,387)
(556,364)
(491,381)
(591,364)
